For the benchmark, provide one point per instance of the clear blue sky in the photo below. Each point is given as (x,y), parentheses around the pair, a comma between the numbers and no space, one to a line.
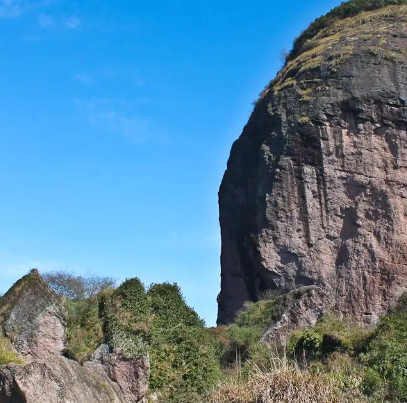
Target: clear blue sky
(116,122)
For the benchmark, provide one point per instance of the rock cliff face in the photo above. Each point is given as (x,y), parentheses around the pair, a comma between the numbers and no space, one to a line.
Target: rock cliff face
(32,317)
(315,191)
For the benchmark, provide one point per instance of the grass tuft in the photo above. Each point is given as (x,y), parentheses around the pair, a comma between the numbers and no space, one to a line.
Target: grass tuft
(7,353)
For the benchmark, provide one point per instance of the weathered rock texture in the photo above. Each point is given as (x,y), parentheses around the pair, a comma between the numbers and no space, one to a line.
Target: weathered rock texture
(131,375)
(297,309)
(32,316)
(315,192)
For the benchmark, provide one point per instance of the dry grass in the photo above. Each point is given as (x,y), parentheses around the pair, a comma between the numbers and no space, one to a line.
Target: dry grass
(335,44)
(284,385)
(283,382)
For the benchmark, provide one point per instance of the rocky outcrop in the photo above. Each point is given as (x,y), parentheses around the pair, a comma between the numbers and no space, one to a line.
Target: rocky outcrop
(131,375)
(315,192)
(32,317)
(56,380)
(297,309)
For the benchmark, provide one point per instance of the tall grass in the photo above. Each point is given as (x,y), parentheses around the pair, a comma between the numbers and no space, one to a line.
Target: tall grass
(284,382)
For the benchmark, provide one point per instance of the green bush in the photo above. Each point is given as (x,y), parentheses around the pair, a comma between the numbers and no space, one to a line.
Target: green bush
(182,355)
(373,383)
(244,335)
(329,335)
(84,328)
(169,307)
(256,314)
(387,352)
(239,343)
(126,314)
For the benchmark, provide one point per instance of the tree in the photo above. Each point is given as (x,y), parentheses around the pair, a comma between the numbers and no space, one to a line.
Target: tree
(75,287)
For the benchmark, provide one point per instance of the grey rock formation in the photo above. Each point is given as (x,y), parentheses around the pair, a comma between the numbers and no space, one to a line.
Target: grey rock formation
(33,318)
(315,191)
(297,309)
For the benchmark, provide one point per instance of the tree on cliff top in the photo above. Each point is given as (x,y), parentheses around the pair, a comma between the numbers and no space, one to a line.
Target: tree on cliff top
(74,287)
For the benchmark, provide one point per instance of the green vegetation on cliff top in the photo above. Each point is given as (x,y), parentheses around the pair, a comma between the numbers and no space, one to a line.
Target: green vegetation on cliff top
(345,10)
(356,26)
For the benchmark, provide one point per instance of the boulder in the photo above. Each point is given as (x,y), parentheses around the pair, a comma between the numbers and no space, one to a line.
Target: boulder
(32,317)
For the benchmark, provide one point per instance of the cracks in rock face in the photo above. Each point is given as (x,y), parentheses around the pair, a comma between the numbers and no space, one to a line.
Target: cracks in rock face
(394,147)
(335,161)
(342,256)
(350,225)
(9,390)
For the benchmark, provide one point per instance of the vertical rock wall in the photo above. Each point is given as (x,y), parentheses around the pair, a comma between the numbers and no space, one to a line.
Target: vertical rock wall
(315,192)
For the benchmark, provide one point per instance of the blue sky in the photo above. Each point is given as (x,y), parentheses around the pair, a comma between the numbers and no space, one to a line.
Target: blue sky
(116,122)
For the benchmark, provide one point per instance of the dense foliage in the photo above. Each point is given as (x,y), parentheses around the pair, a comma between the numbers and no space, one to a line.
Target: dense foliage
(345,10)
(335,358)
(387,353)
(330,335)
(84,328)
(126,314)
(157,322)
(181,352)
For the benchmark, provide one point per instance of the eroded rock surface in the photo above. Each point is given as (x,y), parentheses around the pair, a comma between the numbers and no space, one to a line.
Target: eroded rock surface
(315,192)
(131,375)
(300,308)
(33,318)
(56,380)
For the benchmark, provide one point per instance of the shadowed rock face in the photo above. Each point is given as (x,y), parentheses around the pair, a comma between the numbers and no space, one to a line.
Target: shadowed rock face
(32,316)
(315,191)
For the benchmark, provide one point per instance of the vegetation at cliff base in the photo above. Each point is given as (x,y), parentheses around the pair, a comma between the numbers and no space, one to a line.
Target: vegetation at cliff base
(84,330)
(386,355)
(335,361)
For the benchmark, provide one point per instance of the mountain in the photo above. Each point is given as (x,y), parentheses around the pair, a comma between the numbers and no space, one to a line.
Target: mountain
(315,192)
